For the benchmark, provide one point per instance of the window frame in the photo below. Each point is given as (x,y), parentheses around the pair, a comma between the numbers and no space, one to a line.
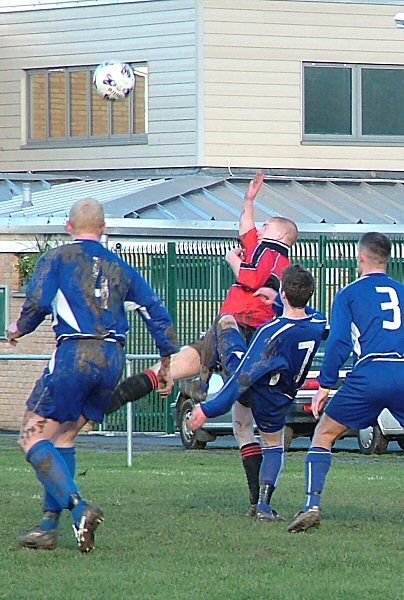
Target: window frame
(88,140)
(357,138)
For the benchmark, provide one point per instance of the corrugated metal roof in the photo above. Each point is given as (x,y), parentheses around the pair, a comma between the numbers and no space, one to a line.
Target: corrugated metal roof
(57,200)
(205,198)
(305,201)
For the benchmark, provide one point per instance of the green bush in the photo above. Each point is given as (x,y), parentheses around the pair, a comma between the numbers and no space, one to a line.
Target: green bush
(26,266)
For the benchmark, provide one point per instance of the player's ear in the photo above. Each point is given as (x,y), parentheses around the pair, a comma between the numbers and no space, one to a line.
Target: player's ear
(69,227)
(361,257)
(280,234)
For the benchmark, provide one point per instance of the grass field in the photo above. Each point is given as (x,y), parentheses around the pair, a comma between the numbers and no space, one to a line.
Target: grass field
(175,530)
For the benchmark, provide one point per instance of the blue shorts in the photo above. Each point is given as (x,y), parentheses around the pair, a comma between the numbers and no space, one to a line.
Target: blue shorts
(270,413)
(79,380)
(371,386)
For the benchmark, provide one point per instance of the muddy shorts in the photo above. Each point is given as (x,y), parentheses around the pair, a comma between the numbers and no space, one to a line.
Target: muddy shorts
(79,380)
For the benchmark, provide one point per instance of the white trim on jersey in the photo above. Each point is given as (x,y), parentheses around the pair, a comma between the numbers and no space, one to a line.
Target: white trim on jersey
(111,336)
(130,305)
(383,359)
(51,363)
(384,356)
(271,323)
(62,309)
(355,335)
(145,312)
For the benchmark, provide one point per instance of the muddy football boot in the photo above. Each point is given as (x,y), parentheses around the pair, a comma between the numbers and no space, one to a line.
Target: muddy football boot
(252,511)
(39,539)
(306,520)
(85,529)
(269,515)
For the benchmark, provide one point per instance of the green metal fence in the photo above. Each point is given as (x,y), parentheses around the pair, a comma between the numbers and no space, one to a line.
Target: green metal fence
(193,279)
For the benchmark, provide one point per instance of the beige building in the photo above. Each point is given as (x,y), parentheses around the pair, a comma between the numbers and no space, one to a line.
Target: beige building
(237,83)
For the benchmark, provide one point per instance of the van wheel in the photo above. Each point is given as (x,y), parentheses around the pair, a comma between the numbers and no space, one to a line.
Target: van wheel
(372,441)
(400,442)
(188,438)
(287,437)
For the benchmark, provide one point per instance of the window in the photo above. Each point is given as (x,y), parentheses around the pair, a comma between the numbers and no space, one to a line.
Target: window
(64,109)
(360,104)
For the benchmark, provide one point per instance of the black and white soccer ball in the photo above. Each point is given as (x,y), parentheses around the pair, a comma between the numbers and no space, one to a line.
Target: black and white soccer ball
(114,80)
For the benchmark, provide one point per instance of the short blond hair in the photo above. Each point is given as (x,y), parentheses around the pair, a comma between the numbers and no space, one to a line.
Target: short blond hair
(87,216)
(289,229)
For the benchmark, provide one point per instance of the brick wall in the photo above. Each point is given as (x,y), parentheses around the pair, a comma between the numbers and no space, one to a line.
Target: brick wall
(18,377)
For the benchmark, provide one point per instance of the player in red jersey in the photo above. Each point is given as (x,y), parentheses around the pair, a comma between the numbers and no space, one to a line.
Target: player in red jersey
(258,265)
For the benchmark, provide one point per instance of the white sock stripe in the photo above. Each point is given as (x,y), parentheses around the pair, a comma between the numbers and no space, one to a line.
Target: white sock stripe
(309,478)
(280,468)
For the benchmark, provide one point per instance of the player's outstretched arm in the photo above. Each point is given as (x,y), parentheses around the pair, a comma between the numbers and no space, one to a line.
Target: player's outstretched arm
(198,418)
(165,378)
(247,219)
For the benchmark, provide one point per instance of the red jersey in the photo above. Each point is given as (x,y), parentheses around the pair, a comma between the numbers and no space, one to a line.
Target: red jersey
(262,261)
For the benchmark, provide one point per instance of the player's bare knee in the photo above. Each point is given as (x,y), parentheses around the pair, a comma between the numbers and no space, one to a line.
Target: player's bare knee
(243,430)
(326,432)
(27,438)
(273,439)
(226,322)
(21,442)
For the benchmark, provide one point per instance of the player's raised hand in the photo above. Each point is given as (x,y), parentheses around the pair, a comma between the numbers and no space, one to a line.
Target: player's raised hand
(237,251)
(198,418)
(255,186)
(318,401)
(164,377)
(13,334)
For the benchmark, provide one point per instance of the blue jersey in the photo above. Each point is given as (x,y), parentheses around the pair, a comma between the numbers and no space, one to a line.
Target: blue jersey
(274,366)
(366,319)
(84,286)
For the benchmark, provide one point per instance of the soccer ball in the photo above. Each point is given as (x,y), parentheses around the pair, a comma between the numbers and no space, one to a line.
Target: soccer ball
(114,80)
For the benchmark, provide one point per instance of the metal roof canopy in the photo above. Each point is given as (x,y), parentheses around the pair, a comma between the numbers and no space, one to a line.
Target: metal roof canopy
(201,205)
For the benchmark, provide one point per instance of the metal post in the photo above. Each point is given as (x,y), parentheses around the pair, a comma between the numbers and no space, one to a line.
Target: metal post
(129,423)
(322,281)
(129,435)
(171,300)
(130,406)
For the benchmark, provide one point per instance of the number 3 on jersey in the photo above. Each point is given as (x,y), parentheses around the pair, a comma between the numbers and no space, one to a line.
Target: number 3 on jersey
(392,305)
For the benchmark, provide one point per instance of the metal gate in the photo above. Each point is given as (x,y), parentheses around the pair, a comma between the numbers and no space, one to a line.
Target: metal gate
(193,279)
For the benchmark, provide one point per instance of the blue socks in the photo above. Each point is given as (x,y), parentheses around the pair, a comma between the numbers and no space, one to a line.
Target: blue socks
(318,462)
(54,473)
(51,507)
(271,468)
(69,456)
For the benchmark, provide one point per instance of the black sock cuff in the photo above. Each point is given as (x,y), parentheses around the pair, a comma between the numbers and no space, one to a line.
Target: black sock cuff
(133,388)
(252,449)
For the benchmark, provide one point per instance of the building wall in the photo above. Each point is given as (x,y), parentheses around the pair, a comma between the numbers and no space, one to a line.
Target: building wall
(224,77)
(253,53)
(159,32)
(17,377)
